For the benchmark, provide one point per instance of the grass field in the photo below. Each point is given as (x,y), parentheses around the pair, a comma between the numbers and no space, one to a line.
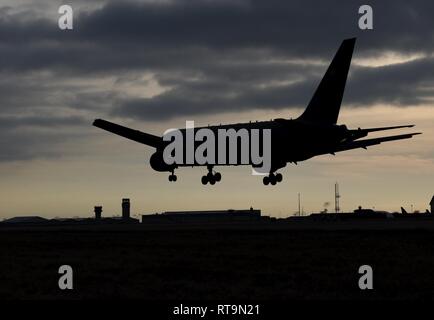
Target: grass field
(230,263)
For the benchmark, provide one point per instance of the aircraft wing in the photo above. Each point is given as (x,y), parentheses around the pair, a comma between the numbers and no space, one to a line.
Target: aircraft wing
(370,142)
(135,135)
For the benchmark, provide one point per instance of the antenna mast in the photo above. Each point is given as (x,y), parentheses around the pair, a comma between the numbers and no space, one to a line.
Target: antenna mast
(337,196)
(299,211)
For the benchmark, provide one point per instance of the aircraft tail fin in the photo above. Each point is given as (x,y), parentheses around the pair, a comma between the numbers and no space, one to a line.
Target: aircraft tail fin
(326,102)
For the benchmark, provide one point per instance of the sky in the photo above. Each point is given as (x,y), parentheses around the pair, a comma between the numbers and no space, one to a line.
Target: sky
(152,65)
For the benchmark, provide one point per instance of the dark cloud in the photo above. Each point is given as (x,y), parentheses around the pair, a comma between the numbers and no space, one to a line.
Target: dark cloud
(160,34)
(210,56)
(46,121)
(402,84)
(27,145)
(43,136)
(201,97)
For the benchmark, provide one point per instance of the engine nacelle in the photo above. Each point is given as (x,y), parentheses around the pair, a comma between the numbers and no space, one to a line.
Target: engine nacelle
(157,163)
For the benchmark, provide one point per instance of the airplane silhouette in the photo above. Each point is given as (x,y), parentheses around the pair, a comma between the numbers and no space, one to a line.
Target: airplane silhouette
(314,133)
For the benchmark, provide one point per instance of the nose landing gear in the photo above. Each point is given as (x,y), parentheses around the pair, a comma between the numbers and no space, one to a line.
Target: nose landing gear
(173,177)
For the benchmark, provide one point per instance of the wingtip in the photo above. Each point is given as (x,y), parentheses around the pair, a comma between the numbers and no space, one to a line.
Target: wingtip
(96,121)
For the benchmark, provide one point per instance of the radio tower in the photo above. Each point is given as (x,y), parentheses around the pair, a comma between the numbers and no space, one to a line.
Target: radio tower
(299,212)
(337,196)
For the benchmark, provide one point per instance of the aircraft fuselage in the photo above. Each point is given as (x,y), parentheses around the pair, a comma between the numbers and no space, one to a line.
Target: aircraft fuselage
(291,141)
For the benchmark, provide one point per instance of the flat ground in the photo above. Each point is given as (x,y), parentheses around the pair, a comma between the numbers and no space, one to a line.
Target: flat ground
(191,262)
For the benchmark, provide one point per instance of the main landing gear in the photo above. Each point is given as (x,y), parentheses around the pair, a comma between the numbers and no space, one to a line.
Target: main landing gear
(173,177)
(272,179)
(212,177)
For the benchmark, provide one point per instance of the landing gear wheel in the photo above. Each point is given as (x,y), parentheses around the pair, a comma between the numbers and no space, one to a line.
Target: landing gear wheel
(204,180)
(217,176)
(266,180)
(272,179)
(172,178)
(212,181)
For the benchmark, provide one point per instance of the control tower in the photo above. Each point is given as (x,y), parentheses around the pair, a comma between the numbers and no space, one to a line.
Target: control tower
(98,211)
(125,209)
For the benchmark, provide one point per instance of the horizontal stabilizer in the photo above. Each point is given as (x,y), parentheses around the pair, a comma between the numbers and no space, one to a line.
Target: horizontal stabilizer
(384,128)
(136,135)
(370,142)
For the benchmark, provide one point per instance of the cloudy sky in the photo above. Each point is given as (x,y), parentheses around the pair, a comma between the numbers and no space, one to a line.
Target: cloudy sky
(152,65)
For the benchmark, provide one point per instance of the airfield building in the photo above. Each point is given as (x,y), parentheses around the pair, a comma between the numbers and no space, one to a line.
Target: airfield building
(204,216)
(432,205)
(26,220)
